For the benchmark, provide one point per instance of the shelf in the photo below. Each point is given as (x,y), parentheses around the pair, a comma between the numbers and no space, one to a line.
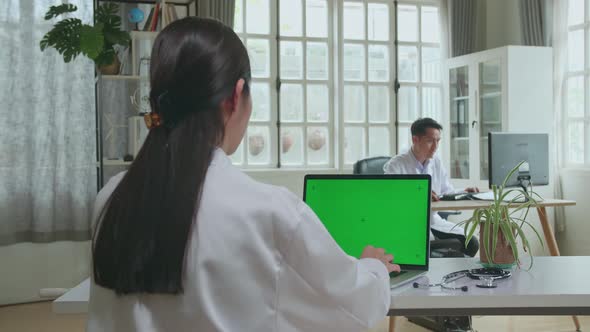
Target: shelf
(490,95)
(115,162)
(460,138)
(460,98)
(138,34)
(120,77)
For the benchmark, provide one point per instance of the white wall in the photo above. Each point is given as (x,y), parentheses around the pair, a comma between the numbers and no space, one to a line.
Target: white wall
(573,240)
(26,268)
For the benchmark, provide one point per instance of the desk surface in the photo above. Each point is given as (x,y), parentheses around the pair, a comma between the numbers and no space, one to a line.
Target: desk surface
(474,204)
(554,286)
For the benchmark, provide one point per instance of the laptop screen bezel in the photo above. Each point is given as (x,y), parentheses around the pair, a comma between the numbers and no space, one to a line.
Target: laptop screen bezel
(386,177)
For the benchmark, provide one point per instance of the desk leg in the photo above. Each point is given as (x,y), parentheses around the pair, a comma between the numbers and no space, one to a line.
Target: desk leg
(552,244)
(391,323)
(548,232)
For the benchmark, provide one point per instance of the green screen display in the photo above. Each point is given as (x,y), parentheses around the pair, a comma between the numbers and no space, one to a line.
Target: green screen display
(385,213)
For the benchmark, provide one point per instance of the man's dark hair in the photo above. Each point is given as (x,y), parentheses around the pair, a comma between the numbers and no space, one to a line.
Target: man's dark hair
(419,126)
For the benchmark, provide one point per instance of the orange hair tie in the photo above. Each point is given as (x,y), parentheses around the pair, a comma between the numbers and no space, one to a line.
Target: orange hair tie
(152,120)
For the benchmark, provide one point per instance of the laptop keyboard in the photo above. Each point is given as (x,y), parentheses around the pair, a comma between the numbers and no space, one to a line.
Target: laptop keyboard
(396,274)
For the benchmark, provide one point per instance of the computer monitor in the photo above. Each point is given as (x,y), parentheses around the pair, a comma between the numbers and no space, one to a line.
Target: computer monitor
(386,211)
(506,150)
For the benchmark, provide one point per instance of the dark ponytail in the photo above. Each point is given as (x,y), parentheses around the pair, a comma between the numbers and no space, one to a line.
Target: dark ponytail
(141,239)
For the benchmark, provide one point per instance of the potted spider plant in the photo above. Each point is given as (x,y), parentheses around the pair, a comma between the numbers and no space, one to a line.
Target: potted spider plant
(502,224)
(70,37)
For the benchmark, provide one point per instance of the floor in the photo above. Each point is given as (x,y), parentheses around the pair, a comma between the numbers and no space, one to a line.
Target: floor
(37,317)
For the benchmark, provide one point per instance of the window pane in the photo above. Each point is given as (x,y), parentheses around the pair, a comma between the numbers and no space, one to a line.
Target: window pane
(257,16)
(378,25)
(318,146)
(431,103)
(259,52)
(354,103)
(378,63)
(408,63)
(575,144)
(353,25)
(258,145)
(317,61)
(431,64)
(575,12)
(318,107)
(260,102)
(291,103)
(379,141)
(430,27)
(404,139)
(407,24)
(291,146)
(379,104)
(238,17)
(354,144)
(316,18)
(291,59)
(408,101)
(575,47)
(291,18)
(354,62)
(575,96)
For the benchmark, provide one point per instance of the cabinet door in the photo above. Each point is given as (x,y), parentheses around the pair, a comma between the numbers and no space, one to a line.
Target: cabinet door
(459,122)
(489,112)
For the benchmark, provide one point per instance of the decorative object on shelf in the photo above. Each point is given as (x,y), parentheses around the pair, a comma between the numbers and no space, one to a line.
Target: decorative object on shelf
(255,144)
(140,99)
(144,66)
(70,37)
(286,141)
(500,228)
(127,157)
(316,140)
(135,16)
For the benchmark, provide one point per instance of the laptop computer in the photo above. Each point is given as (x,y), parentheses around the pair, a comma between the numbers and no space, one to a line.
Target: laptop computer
(386,211)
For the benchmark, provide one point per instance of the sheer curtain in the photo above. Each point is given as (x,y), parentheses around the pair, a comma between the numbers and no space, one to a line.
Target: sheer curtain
(222,10)
(47,131)
(560,47)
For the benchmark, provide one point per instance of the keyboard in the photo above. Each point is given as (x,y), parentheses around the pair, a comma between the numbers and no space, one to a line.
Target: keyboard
(455,196)
(396,274)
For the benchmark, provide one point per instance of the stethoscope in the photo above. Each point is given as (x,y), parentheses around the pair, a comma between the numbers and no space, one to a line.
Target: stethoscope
(487,275)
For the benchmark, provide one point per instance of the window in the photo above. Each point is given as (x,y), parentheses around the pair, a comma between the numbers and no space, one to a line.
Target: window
(323,76)
(576,111)
(419,66)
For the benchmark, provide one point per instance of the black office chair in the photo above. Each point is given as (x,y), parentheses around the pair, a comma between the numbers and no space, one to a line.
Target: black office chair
(438,248)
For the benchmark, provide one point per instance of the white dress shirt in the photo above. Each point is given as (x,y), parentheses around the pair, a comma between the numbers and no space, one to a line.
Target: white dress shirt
(406,163)
(258,259)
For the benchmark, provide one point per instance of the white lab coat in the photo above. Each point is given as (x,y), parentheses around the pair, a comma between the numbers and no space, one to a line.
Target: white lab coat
(406,163)
(258,260)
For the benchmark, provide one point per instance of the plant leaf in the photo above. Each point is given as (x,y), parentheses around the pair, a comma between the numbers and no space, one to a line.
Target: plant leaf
(91,41)
(55,11)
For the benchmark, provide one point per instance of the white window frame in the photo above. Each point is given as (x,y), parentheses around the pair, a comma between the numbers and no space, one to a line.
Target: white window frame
(390,84)
(419,84)
(304,82)
(569,76)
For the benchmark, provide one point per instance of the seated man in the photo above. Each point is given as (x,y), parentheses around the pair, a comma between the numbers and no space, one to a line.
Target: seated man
(421,159)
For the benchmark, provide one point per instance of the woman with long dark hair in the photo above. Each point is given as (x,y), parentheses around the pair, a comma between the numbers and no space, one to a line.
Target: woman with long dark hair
(185,241)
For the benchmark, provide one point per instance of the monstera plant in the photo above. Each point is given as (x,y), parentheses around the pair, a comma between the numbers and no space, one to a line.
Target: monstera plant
(70,37)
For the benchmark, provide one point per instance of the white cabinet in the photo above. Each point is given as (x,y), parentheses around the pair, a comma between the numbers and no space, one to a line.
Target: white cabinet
(503,89)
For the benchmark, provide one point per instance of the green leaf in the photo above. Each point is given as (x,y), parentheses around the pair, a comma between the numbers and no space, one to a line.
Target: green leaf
(64,37)
(91,41)
(117,37)
(55,11)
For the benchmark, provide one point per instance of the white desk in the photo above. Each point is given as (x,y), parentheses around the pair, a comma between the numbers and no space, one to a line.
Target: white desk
(554,286)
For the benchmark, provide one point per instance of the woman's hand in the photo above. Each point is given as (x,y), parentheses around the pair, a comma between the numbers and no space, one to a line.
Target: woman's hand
(379,253)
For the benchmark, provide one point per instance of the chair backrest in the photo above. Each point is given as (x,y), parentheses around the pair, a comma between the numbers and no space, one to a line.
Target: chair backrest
(373,165)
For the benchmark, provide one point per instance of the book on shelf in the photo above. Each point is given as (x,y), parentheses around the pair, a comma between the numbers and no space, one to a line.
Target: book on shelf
(160,15)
